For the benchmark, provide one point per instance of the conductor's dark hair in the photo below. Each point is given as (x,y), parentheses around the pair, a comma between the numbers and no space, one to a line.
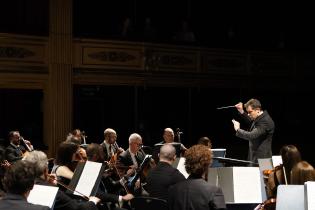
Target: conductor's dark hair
(254,103)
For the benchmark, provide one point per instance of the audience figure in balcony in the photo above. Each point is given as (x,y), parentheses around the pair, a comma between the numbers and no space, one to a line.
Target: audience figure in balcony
(127,30)
(185,34)
(149,31)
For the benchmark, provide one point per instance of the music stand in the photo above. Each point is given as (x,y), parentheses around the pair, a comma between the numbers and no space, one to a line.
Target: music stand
(217,153)
(157,147)
(234,162)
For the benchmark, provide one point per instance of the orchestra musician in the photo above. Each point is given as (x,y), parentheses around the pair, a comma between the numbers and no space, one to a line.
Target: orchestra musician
(18,182)
(68,155)
(62,201)
(169,136)
(129,161)
(15,151)
(279,175)
(164,175)
(195,192)
(76,137)
(109,144)
(95,153)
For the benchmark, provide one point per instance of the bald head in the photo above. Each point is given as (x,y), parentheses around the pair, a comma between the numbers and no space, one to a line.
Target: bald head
(168,135)
(167,153)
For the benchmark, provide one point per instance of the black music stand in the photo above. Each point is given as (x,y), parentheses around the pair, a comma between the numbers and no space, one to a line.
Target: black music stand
(234,162)
(217,153)
(77,176)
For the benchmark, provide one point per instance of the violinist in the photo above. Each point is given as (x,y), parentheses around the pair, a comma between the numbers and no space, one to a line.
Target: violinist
(15,151)
(95,153)
(76,137)
(68,155)
(62,201)
(279,175)
(109,144)
(129,161)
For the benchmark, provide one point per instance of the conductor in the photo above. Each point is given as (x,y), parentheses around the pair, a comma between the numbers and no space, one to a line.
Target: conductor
(259,136)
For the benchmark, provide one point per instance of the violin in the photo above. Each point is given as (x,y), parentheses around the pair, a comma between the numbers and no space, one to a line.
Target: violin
(80,156)
(273,178)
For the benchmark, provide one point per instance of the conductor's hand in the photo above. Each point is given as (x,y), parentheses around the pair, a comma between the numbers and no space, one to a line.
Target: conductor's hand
(236,125)
(239,107)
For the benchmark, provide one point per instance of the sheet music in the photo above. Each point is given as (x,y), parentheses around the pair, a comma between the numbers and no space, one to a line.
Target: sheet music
(88,178)
(43,195)
(290,197)
(276,160)
(181,167)
(265,164)
(310,195)
(247,187)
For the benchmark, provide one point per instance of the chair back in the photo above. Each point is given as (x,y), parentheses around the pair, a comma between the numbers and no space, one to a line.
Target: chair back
(150,203)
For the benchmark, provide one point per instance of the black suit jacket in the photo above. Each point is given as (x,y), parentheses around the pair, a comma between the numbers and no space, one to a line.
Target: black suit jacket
(106,154)
(160,178)
(13,154)
(18,202)
(259,136)
(124,160)
(195,194)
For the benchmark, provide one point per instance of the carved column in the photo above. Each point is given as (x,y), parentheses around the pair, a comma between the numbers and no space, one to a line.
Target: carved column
(59,91)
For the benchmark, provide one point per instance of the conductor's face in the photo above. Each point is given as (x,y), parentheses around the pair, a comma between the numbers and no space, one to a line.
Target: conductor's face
(252,113)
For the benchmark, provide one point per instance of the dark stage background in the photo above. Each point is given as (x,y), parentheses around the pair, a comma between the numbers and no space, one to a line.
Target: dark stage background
(267,27)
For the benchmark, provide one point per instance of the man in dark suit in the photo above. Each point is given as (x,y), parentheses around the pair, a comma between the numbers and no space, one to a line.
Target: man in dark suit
(261,130)
(195,193)
(15,150)
(164,175)
(130,160)
(18,182)
(109,144)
